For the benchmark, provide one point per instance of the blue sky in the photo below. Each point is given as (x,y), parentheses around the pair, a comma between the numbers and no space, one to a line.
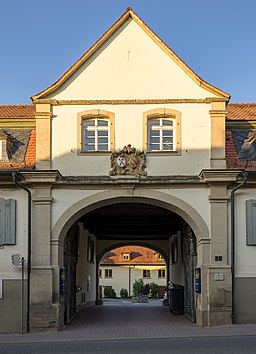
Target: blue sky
(40,40)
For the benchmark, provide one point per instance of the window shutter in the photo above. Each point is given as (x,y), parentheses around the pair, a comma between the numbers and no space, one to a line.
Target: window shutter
(8,222)
(2,221)
(251,222)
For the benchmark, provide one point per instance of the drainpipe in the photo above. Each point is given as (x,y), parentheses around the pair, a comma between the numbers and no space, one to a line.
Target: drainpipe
(245,175)
(14,176)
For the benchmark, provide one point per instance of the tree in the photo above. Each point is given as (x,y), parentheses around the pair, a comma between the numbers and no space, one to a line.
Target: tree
(137,287)
(154,290)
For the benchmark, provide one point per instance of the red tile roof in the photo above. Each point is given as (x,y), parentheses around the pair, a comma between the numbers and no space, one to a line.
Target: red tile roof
(30,158)
(241,111)
(17,111)
(138,255)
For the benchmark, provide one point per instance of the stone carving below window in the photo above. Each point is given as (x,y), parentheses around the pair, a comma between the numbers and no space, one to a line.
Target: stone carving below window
(128,161)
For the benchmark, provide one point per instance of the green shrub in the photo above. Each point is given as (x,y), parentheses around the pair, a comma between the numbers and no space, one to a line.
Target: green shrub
(154,290)
(112,293)
(124,293)
(109,292)
(137,287)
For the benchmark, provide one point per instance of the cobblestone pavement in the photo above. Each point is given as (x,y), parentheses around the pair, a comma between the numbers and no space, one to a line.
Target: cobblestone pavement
(124,320)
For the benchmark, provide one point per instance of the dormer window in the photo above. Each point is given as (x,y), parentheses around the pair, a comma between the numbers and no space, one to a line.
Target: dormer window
(160,257)
(13,145)
(126,257)
(4,141)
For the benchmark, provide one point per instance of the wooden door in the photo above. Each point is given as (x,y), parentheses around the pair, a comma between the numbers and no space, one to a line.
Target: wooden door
(189,259)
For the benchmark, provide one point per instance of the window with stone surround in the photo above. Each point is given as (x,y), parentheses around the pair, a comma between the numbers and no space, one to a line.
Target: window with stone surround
(108,273)
(96,131)
(162,131)
(146,273)
(161,273)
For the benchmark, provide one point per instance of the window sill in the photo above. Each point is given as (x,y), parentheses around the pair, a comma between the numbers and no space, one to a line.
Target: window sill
(93,153)
(163,153)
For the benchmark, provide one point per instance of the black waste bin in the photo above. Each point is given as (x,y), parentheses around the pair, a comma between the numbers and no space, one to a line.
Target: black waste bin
(176,299)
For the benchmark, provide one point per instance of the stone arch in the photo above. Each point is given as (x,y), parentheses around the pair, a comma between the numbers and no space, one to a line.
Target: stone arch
(134,243)
(95,201)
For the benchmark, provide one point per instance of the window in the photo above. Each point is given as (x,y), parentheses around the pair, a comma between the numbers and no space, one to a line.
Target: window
(100,273)
(161,273)
(146,273)
(108,273)
(126,257)
(161,134)
(95,134)
(96,131)
(160,257)
(162,131)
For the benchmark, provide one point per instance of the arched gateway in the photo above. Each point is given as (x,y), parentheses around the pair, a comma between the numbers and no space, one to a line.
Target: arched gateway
(120,155)
(169,218)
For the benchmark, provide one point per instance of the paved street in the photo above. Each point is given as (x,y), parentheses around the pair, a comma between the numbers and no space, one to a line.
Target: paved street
(125,327)
(195,345)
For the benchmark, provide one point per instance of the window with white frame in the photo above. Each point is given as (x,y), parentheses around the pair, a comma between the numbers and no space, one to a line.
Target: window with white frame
(96,134)
(161,273)
(146,273)
(161,134)
(162,131)
(108,273)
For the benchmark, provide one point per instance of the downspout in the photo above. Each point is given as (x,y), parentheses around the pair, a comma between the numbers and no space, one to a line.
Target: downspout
(240,185)
(14,176)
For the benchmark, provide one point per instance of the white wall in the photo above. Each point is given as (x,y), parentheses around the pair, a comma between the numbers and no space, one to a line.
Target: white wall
(86,271)
(245,256)
(132,61)
(120,277)
(195,140)
(176,270)
(6,269)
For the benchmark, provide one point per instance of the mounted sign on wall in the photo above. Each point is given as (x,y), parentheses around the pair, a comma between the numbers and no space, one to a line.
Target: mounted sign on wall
(198,280)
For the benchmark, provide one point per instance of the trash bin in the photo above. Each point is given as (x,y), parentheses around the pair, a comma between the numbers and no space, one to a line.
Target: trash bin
(176,299)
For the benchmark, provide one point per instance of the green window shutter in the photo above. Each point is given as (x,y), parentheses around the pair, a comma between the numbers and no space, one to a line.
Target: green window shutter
(8,222)
(10,218)
(2,222)
(251,222)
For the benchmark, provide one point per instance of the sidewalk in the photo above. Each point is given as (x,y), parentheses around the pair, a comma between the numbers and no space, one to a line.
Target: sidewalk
(124,320)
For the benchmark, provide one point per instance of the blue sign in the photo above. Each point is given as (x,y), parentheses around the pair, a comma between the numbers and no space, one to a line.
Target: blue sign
(62,280)
(198,280)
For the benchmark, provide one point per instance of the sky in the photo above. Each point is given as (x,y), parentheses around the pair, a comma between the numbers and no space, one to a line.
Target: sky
(40,40)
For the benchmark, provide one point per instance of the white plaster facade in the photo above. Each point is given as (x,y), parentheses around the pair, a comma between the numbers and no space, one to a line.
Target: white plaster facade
(122,280)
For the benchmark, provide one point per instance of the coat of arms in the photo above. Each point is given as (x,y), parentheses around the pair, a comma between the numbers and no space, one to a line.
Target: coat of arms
(128,161)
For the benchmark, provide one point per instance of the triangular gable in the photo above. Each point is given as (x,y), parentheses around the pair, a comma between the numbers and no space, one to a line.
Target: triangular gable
(130,14)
